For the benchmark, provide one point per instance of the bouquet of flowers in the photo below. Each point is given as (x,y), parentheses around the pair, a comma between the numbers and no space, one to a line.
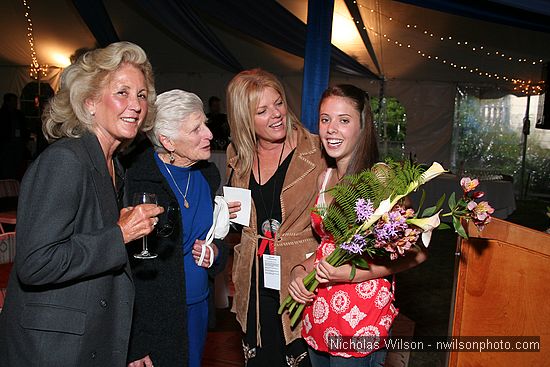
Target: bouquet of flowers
(367,217)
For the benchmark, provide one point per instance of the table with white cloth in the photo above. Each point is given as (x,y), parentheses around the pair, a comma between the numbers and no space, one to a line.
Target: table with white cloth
(499,193)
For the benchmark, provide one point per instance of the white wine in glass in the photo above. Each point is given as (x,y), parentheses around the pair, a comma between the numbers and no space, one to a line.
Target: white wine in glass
(145,198)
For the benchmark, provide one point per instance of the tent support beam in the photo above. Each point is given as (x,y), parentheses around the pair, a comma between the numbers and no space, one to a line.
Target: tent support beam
(316,60)
(526,132)
(361,28)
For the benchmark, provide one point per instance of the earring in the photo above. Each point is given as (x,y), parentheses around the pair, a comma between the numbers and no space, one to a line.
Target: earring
(172,158)
(92,113)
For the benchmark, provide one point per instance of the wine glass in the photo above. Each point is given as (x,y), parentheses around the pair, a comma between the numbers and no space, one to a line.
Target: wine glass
(145,198)
(169,228)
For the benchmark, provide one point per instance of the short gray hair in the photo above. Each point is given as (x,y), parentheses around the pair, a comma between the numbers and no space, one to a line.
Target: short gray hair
(172,109)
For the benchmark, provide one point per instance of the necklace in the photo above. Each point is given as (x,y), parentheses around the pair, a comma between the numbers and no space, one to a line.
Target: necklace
(185,202)
(270,226)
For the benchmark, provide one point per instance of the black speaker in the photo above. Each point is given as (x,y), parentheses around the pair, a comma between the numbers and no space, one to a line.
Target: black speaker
(543,121)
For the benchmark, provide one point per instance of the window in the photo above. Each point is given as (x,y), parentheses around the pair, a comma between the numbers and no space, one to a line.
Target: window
(488,141)
(391,124)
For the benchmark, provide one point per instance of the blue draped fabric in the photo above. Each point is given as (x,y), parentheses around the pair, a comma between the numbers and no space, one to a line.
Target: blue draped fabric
(316,60)
(181,20)
(95,16)
(523,14)
(270,22)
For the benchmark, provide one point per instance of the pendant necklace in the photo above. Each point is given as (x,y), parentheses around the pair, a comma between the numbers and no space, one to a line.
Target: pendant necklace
(270,226)
(185,202)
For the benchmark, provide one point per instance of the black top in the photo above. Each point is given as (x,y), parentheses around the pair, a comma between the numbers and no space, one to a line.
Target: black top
(267,200)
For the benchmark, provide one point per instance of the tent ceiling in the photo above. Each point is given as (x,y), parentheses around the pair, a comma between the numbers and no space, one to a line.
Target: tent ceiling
(59,29)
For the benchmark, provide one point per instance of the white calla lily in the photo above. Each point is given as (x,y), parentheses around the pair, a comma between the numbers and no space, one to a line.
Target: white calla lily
(384,207)
(427,225)
(435,170)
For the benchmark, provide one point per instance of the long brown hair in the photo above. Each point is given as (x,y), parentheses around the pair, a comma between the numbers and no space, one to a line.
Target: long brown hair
(365,154)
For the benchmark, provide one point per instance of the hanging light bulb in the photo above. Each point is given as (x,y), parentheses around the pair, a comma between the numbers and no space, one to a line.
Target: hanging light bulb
(36,70)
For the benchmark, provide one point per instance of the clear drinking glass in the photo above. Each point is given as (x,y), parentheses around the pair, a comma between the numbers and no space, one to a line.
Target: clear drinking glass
(145,198)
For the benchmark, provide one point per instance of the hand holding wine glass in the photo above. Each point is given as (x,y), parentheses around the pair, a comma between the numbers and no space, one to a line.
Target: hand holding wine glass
(138,221)
(145,198)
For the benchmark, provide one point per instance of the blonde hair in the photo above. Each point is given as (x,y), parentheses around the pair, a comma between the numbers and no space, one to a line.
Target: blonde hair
(243,96)
(172,110)
(66,114)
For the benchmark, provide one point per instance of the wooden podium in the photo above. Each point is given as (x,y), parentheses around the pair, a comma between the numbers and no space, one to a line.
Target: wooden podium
(502,288)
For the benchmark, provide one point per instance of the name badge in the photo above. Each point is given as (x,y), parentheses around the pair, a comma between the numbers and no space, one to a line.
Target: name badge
(272,271)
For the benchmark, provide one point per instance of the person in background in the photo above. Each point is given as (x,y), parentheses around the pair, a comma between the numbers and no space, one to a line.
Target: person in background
(14,136)
(364,305)
(217,123)
(275,157)
(70,296)
(171,308)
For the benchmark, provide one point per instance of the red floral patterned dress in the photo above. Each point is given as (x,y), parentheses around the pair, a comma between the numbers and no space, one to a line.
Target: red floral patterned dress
(346,310)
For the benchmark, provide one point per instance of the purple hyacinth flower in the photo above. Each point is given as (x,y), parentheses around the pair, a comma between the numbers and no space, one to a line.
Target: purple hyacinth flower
(363,210)
(355,246)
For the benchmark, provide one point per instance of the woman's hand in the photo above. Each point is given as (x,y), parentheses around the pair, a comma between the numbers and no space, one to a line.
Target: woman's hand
(197,250)
(327,273)
(144,362)
(234,207)
(296,288)
(136,222)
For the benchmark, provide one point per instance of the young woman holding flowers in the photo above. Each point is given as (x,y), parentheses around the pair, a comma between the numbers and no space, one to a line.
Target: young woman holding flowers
(346,320)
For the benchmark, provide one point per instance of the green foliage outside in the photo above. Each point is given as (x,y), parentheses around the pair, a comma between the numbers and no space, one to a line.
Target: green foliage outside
(391,137)
(488,146)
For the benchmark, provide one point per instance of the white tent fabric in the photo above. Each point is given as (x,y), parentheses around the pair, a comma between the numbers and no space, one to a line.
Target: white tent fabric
(424,86)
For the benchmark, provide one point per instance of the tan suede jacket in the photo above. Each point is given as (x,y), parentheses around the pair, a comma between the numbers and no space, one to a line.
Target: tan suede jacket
(295,237)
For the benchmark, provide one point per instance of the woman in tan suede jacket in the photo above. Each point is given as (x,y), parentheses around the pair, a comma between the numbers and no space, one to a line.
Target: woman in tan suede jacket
(275,157)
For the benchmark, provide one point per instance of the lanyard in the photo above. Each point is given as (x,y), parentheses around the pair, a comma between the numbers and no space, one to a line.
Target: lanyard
(267,240)
(269,235)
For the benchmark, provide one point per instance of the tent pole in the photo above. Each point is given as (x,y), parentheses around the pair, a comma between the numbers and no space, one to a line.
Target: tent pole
(382,123)
(526,131)
(317,60)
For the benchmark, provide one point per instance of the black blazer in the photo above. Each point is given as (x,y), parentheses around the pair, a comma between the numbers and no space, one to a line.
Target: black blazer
(159,326)
(70,295)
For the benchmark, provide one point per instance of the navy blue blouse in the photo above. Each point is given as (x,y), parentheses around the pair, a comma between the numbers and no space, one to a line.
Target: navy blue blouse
(196,221)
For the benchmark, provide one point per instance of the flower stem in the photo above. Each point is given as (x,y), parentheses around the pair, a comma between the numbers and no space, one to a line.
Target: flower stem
(297,314)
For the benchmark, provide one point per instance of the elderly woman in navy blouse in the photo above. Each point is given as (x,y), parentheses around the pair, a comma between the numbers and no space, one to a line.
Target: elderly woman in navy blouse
(171,308)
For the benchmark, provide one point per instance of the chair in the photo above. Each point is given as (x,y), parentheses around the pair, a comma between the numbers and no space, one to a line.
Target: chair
(7,247)
(9,188)
(7,254)
(9,192)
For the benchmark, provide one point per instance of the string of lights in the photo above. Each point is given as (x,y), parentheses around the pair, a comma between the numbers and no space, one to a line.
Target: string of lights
(469,45)
(520,85)
(536,86)
(36,70)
